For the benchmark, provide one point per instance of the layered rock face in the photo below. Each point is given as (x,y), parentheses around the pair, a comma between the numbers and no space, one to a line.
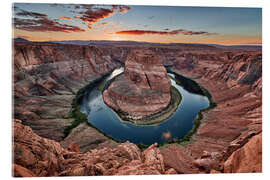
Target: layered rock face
(143,89)
(46,79)
(47,76)
(37,156)
(234,79)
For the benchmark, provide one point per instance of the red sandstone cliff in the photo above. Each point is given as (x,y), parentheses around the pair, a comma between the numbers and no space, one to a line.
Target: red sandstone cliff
(234,80)
(46,78)
(49,75)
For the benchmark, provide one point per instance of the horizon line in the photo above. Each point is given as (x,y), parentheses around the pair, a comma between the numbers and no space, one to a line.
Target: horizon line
(255,44)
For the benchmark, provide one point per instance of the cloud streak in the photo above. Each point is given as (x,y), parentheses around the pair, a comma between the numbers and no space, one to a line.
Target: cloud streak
(32,21)
(174,32)
(30,14)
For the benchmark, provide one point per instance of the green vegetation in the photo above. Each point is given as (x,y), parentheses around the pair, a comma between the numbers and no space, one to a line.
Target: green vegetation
(75,112)
(101,86)
(197,121)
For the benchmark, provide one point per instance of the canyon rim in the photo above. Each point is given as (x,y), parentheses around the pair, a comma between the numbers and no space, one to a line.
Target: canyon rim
(96,92)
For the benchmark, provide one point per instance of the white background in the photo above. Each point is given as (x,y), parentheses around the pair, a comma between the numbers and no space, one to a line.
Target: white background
(6,78)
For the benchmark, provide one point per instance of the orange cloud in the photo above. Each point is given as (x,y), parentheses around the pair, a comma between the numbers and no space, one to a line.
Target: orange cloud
(174,32)
(93,14)
(65,18)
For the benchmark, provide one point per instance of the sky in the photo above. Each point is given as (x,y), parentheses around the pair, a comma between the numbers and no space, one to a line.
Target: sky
(161,24)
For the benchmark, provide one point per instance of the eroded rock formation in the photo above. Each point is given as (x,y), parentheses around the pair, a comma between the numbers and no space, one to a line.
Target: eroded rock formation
(37,156)
(46,79)
(234,81)
(49,75)
(143,89)
(247,158)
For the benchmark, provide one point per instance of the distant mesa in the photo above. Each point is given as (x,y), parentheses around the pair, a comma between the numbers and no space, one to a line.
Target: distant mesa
(19,39)
(144,88)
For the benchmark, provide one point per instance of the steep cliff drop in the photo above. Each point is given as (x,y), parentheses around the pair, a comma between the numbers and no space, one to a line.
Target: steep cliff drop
(144,88)
(46,79)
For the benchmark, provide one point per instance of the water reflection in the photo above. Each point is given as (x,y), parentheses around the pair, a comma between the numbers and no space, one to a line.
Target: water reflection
(167,135)
(115,73)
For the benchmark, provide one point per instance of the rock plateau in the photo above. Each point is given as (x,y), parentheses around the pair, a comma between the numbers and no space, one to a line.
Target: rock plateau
(144,88)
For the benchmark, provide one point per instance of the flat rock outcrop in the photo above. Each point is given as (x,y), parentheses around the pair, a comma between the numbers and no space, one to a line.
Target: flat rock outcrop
(143,89)
(88,138)
(247,158)
(37,156)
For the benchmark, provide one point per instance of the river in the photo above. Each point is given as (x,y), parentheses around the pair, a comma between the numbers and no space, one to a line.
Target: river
(175,127)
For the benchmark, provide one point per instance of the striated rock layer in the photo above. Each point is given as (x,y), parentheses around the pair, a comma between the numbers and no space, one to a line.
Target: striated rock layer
(37,156)
(143,89)
(234,79)
(47,76)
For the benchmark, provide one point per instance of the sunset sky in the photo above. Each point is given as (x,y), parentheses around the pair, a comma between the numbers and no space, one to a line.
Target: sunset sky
(163,24)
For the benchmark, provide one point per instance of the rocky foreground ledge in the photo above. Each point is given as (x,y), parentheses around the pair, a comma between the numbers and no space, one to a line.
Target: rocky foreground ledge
(144,88)
(37,156)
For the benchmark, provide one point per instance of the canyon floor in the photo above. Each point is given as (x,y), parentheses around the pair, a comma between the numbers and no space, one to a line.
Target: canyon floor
(47,77)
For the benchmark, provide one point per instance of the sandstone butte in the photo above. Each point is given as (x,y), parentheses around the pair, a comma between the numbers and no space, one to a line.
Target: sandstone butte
(144,88)
(48,75)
